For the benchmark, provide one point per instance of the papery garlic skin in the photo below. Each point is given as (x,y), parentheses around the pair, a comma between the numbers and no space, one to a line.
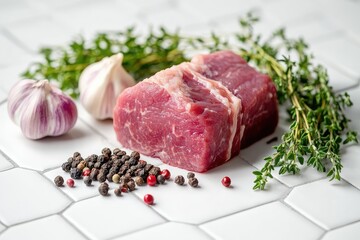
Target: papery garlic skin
(101,83)
(41,109)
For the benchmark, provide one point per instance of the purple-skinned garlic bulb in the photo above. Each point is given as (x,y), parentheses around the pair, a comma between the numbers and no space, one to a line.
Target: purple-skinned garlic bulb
(101,83)
(41,109)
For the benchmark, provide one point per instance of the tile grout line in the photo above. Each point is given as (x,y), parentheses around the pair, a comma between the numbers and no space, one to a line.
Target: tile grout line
(16,41)
(74,226)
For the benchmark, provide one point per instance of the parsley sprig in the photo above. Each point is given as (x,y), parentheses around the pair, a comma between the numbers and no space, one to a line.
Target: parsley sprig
(316,113)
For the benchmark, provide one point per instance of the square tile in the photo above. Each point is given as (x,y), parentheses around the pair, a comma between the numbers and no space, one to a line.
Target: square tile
(349,232)
(107,217)
(258,223)
(25,200)
(4,163)
(196,205)
(329,204)
(170,230)
(41,229)
(48,152)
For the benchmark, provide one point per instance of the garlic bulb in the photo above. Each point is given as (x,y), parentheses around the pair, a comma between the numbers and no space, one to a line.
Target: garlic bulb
(41,109)
(101,83)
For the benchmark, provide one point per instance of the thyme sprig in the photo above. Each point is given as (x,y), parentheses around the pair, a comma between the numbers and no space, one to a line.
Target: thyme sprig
(316,113)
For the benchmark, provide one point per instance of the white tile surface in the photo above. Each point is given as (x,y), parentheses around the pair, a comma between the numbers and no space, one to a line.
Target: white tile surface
(350,232)
(351,165)
(54,225)
(3,95)
(107,217)
(211,194)
(25,200)
(255,158)
(4,163)
(171,230)
(46,153)
(354,112)
(10,52)
(15,10)
(42,31)
(345,56)
(329,204)
(261,223)
(11,74)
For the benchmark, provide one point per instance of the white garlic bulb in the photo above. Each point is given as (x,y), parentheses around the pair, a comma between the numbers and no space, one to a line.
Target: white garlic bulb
(41,109)
(101,83)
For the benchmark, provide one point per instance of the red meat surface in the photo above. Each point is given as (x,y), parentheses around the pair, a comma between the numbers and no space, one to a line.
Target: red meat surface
(197,115)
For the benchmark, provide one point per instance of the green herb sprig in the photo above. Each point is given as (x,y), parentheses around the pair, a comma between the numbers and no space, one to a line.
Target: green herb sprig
(316,113)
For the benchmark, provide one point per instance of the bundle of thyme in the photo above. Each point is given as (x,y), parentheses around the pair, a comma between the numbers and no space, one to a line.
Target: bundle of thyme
(316,113)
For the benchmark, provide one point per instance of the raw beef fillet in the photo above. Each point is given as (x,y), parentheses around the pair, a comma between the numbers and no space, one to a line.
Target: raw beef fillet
(197,115)
(256,91)
(181,117)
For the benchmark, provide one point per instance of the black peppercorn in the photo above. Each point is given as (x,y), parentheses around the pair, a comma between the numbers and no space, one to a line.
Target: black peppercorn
(87,180)
(117,192)
(190,175)
(116,150)
(125,179)
(97,165)
(109,176)
(106,152)
(131,185)
(125,157)
(102,159)
(133,161)
(141,164)
(135,155)
(90,165)
(70,159)
(193,182)
(66,166)
(104,189)
(139,181)
(101,177)
(179,180)
(76,154)
(155,171)
(75,163)
(148,167)
(93,174)
(59,181)
(75,173)
(160,179)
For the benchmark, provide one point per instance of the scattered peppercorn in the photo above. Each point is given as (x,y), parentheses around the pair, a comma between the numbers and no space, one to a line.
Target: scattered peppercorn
(190,175)
(131,185)
(179,180)
(166,174)
(87,180)
(135,155)
(86,172)
(104,189)
(59,181)
(66,166)
(151,180)
(116,178)
(75,173)
(226,181)
(160,179)
(70,182)
(139,181)
(149,199)
(101,177)
(117,192)
(193,182)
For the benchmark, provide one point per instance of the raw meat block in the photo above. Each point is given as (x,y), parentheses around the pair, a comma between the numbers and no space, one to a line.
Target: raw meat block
(180,116)
(256,91)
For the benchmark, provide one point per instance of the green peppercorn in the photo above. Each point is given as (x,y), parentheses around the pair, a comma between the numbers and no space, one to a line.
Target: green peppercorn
(87,180)
(117,192)
(116,178)
(59,181)
(190,175)
(193,182)
(104,189)
(179,180)
(139,181)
